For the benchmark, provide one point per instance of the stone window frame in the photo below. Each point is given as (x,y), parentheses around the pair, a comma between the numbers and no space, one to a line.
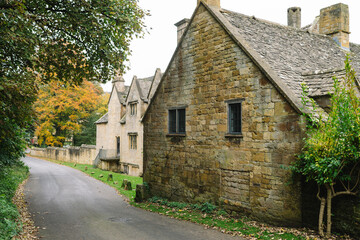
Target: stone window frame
(132,140)
(133,108)
(177,132)
(126,169)
(230,133)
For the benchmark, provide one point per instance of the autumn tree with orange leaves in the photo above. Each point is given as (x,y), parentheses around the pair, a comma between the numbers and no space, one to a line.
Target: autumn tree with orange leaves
(63,108)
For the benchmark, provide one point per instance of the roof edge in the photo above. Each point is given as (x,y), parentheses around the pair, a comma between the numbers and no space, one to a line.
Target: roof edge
(132,81)
(173,57)
(255,57)
(157,71)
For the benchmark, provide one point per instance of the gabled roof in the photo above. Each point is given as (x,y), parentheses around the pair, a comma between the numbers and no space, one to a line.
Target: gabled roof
(121,95)
(103,119)
(155,83)
(145,86)
(290,52)
(285,55)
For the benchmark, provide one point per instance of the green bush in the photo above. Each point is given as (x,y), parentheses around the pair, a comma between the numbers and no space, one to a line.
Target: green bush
(178,205)
(8,216)
(207,207)
(195,206)
(10,178)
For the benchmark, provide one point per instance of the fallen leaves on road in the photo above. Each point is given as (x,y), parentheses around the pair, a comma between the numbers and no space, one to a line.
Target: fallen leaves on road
(29,230)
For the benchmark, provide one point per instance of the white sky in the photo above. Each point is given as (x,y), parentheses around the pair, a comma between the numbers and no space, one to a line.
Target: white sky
(157,47)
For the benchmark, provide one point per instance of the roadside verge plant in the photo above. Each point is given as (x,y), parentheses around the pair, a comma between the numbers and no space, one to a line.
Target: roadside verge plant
(331,152)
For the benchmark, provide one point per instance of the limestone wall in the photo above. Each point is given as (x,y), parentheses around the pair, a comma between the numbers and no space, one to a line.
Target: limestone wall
(241,173)
(132,158)
(83,155)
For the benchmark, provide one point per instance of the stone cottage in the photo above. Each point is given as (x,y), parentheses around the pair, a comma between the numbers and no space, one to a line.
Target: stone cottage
(108,126)
(226,116)
(119,133)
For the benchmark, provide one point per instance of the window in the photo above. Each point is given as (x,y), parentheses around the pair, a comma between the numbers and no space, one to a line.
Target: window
(118,146)
(177,120)
(133,109)
(234,116)
(126,169)
(133,140)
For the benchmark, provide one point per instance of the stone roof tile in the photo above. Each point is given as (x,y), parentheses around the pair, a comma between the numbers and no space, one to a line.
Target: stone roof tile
(290,52)
(103,119)
(144,85)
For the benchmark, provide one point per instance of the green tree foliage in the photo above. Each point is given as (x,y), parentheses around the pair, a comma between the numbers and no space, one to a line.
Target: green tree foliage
(10,177)
(331,152)
(87,134)
(61,40)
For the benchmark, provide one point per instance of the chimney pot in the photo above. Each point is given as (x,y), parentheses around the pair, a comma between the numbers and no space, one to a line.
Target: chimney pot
(294,17)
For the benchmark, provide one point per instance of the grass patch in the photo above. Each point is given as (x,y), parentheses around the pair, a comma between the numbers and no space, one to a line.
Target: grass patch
(102,175)
(10,178)
(212,217)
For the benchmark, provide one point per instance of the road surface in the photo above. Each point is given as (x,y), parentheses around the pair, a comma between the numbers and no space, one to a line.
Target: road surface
(68,204)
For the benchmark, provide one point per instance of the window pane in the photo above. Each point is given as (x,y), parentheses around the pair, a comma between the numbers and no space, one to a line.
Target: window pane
(172,121)
(118,145)
(181,120)
(235,118)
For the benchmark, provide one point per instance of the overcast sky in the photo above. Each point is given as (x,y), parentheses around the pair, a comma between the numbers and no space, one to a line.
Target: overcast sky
(157,47)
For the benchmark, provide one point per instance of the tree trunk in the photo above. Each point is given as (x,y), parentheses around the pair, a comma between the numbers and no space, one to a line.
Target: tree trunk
(321,217)
(328,203)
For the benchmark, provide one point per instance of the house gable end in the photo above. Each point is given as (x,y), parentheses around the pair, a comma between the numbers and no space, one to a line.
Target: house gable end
(262,64)
(207,72)
(239,40)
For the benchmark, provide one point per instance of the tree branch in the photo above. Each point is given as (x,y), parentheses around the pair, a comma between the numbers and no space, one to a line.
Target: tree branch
(345,193)
(318,193)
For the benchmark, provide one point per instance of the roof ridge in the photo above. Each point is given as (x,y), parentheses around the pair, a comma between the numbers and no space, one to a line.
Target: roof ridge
(275,24)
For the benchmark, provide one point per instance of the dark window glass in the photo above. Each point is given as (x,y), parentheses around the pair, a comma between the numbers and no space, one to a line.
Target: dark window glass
(172,121)
(132,109)
(235,118)
(181,120)
(177,121)
(118,146)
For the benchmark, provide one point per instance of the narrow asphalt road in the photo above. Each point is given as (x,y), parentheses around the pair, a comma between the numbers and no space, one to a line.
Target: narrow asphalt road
(69,205)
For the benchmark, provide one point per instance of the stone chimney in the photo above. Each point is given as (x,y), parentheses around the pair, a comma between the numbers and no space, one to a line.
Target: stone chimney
(214,3)
(181,26)
(334,22)
(119,82)
(294,17)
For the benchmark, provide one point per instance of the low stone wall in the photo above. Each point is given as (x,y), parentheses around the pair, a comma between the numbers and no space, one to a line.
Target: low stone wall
(84,154)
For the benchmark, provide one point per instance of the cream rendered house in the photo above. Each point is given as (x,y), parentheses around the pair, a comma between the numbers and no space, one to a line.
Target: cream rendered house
(119,133)
(108,126)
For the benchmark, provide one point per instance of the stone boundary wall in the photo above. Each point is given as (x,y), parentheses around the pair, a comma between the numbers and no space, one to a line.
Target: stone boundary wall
(83,155)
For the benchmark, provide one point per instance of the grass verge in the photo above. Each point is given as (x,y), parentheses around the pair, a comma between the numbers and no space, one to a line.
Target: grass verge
(10,178)
(212,217)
